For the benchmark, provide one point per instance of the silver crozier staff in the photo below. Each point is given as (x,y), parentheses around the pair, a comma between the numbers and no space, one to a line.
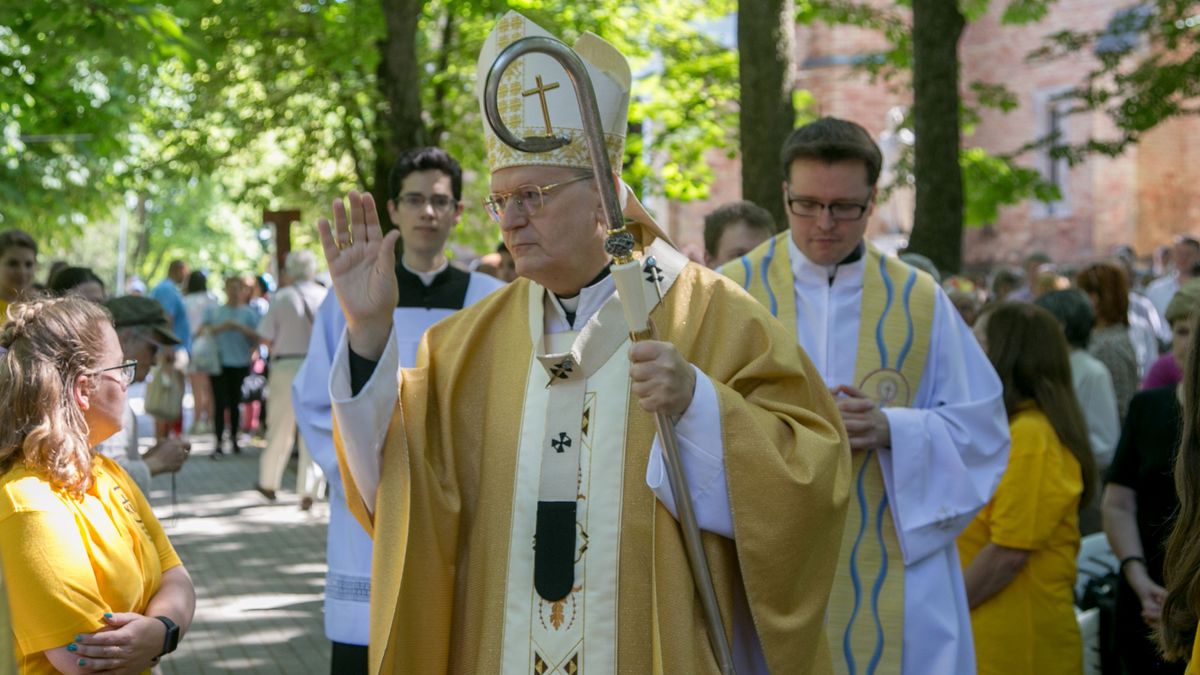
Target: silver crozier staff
(626,271)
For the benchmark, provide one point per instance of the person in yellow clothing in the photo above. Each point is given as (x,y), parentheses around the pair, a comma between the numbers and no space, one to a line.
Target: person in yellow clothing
(7,659)
(101,588)
(1181,568)
(18,262)
(1018,555)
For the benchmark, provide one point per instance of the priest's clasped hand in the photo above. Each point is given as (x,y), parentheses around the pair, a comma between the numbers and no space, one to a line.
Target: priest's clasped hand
(362,265)
(663,381)
(866,425)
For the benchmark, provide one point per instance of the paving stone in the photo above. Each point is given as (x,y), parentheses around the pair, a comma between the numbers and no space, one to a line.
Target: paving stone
(258,567)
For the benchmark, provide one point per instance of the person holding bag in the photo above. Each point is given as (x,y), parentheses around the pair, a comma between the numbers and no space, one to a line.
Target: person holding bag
(233,327)
(286,330)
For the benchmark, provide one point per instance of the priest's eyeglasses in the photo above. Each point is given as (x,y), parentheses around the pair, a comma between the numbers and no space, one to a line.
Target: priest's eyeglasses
(811,208)
(125,372)
(417,202)
(528,198)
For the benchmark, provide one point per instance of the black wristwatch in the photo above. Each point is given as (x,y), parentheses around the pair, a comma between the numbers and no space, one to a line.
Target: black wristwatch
(171,640)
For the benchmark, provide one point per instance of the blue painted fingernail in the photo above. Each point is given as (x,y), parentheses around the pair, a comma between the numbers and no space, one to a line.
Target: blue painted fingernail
(79,638)
(108,615)
(83,662)
(71,647)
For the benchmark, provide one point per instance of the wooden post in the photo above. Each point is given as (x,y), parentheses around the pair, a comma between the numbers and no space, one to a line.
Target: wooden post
(281,225)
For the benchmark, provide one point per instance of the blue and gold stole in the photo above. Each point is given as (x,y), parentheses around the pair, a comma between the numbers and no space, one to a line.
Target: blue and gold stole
(866,606)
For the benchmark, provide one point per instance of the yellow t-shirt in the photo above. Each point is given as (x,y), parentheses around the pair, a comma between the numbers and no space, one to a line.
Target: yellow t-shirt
(3,312)
(7,656)
(1029,627)
(76,559)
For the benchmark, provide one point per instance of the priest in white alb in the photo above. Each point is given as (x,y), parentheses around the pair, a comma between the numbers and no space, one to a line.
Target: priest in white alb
(921,403)
(512,479)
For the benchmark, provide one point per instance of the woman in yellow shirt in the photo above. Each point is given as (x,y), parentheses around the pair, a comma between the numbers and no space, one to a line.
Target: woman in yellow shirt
(1018,555)
(100,587)
(7,658)
(1181,568)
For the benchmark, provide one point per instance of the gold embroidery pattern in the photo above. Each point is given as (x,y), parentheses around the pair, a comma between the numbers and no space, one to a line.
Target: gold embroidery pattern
(583,542)
(570,666)
(558,618)
(508,97)
(574,154)
(589,404)
(509,30)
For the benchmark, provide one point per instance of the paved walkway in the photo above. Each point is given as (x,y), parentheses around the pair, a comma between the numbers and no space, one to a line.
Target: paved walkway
(258,567)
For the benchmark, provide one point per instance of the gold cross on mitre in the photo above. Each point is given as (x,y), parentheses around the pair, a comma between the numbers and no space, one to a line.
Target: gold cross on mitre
(541,90)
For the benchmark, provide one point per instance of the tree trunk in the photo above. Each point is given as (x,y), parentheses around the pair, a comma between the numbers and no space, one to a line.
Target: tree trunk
(938,218)
(766,45)
(400,122)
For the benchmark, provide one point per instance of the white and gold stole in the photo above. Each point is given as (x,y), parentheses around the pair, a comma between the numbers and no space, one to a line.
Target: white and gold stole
(572,449)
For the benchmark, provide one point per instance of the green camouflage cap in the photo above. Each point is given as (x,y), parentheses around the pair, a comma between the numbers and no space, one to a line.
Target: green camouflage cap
(130,311)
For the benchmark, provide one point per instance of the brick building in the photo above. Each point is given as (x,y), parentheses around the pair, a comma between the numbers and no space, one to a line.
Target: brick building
(1143,197)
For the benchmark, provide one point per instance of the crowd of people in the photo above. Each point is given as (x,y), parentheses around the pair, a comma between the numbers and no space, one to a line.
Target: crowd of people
(892,470)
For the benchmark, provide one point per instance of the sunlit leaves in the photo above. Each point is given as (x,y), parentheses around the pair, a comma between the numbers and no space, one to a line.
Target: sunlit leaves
(990,182)
(1148,72)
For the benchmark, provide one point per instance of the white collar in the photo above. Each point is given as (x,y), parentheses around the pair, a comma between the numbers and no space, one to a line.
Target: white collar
(427,277)
(589,301)
(807,272)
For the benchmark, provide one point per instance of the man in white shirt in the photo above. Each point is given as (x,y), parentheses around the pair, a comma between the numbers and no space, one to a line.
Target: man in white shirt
(920,401)
(286,330)
(1185,254)
(1091,380)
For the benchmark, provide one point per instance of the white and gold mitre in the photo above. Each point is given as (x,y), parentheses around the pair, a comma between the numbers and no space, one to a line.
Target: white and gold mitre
(536,98)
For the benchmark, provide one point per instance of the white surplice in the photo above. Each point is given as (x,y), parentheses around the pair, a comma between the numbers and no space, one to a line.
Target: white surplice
(348,546)
(946,458)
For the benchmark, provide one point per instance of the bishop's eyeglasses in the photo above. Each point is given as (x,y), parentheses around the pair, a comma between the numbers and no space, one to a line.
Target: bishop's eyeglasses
(811,208)
(125,372)
(528,198)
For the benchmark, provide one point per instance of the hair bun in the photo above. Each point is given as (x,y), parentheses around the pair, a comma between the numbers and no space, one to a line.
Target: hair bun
(20,315)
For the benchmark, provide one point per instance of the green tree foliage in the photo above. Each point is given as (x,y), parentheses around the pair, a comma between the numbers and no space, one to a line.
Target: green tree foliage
(72,76)
(212,110)
(1148,72)
(988,181)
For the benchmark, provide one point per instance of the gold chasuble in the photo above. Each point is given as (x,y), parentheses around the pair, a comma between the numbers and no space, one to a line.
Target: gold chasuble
(474,445)
(866,607)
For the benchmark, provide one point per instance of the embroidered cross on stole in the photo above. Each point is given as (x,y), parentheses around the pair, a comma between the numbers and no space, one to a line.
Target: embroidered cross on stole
(866,607)
(561,611)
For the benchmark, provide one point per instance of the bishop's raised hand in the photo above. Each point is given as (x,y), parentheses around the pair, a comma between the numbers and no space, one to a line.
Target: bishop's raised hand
(362,264)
